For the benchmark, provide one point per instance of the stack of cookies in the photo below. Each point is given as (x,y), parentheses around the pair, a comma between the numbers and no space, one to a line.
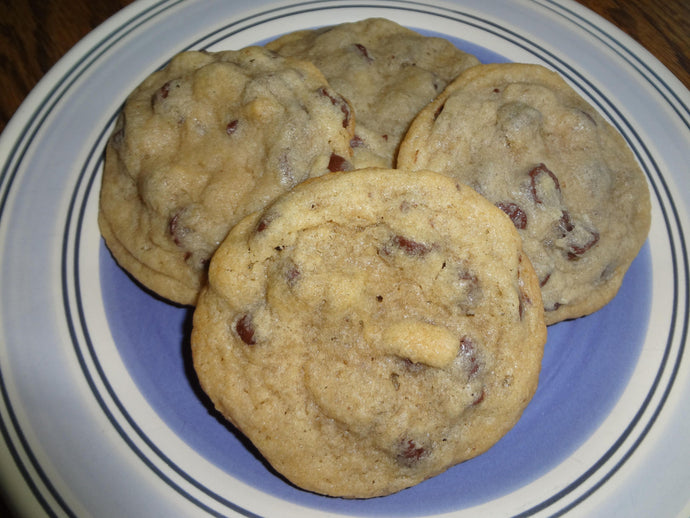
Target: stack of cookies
(375,230)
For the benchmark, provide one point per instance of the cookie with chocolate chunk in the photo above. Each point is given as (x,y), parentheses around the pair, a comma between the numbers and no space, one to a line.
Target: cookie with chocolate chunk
(369,330)
(386,71)
(202,143)
(522,137)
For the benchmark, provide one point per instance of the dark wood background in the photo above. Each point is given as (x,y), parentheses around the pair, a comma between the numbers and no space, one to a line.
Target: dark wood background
(34,34)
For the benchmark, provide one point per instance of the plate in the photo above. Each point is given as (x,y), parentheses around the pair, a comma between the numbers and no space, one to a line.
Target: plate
(100,410)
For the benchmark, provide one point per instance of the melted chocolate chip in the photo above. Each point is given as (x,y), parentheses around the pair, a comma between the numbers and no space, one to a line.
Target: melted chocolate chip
(338,163)
(344,107)
(231,127)
(479,398)
(411,247)
(576,245)
(577,250)
(245,329)
(515,213)
(565,224)
(165,90)
(263,223)
(523,300)
(409,452)
(543,281)
(175,229)
(534,174)
(363,50)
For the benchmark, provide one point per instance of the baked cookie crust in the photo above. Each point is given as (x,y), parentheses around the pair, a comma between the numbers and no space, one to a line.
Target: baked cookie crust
(371,329)
(522,137)
(386,71)
(202,143)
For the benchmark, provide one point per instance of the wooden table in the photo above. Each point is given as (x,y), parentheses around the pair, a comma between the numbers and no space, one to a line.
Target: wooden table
(35,34)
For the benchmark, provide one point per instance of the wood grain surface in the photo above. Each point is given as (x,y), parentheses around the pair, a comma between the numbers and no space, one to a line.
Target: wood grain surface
(35,34)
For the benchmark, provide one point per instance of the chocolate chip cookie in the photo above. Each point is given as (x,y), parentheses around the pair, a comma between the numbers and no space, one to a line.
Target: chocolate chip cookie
(202,143)
(370,329)
(522,137)
(386,71)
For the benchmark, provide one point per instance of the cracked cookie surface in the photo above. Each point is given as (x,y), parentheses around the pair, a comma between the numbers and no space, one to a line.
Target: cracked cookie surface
(386,71)
(202,143)
(522,137)
(371,329)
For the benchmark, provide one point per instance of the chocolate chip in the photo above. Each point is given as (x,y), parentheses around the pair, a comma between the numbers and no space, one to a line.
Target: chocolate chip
(262,225)
(515,213)
(409,452)
(411,247)
(543,281)
(231,127)
(578,250)
(578,242)
(363,50)
(534,174)
(337,99)
(565,224)
(245,329)
(265,221)
(338,163)
(523,300)
(479,398)
(165,90)
(177,231)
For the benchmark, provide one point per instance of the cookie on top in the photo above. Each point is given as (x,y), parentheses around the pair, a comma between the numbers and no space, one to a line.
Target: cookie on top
(371,329)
